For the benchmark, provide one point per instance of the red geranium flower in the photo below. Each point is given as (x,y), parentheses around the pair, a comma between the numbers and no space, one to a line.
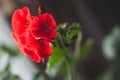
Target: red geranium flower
(44,27)
(33,33)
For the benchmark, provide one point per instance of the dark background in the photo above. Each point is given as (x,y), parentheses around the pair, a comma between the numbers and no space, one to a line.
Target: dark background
(97,18)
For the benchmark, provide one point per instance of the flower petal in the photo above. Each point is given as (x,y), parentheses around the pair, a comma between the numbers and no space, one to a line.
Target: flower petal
(34,57)
(44,26)
(18,41)
(48,18)
(46,49)
(21,20)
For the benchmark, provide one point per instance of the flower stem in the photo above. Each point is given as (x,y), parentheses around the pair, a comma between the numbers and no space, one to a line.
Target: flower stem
(70,68)
(61,41)
(69,63)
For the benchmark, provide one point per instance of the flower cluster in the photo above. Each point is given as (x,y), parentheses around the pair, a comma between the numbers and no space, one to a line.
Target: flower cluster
(33,34)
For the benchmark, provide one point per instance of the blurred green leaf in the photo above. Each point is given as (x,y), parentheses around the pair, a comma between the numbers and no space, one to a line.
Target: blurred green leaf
(72,32)
(86,49)
(111,45)
(68,32)
(116,40)
(74,29)
(108,49)
(108,75)
(56,58)
(65,36)
(15,77)
(11,50)
(38,76)
(7,75)
(77,47)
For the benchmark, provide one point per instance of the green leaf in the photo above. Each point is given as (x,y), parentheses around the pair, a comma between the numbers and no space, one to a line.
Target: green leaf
(77,46)
(85,51)
(68,32)
(71,33)
(15,77)
(7,75)
(74,29)
(38,76)
(11,50)
(56,58)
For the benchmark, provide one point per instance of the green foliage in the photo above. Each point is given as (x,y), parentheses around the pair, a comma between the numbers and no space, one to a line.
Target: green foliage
(111,47)
(10,50)
(67,34)
(38,76)
(7,75)
(86,49)
(112,42)
(108,75)
(56,59)
(57,56)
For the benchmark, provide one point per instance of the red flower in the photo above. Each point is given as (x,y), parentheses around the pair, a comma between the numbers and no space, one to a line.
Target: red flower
(33,34)
(45,27)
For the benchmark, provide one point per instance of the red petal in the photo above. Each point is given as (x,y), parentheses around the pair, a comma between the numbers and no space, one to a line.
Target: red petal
(49,20)
(32,55)
(21,20)
(18,41)
(46,50)
(39,47)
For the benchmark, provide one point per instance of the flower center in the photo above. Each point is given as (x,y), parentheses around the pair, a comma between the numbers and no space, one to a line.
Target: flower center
(47,28)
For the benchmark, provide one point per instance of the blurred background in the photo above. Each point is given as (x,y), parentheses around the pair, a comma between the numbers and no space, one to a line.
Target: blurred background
(99,20)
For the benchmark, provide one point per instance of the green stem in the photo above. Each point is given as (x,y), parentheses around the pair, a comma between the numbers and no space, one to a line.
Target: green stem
(70,68)
(61,41)
(69,63)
